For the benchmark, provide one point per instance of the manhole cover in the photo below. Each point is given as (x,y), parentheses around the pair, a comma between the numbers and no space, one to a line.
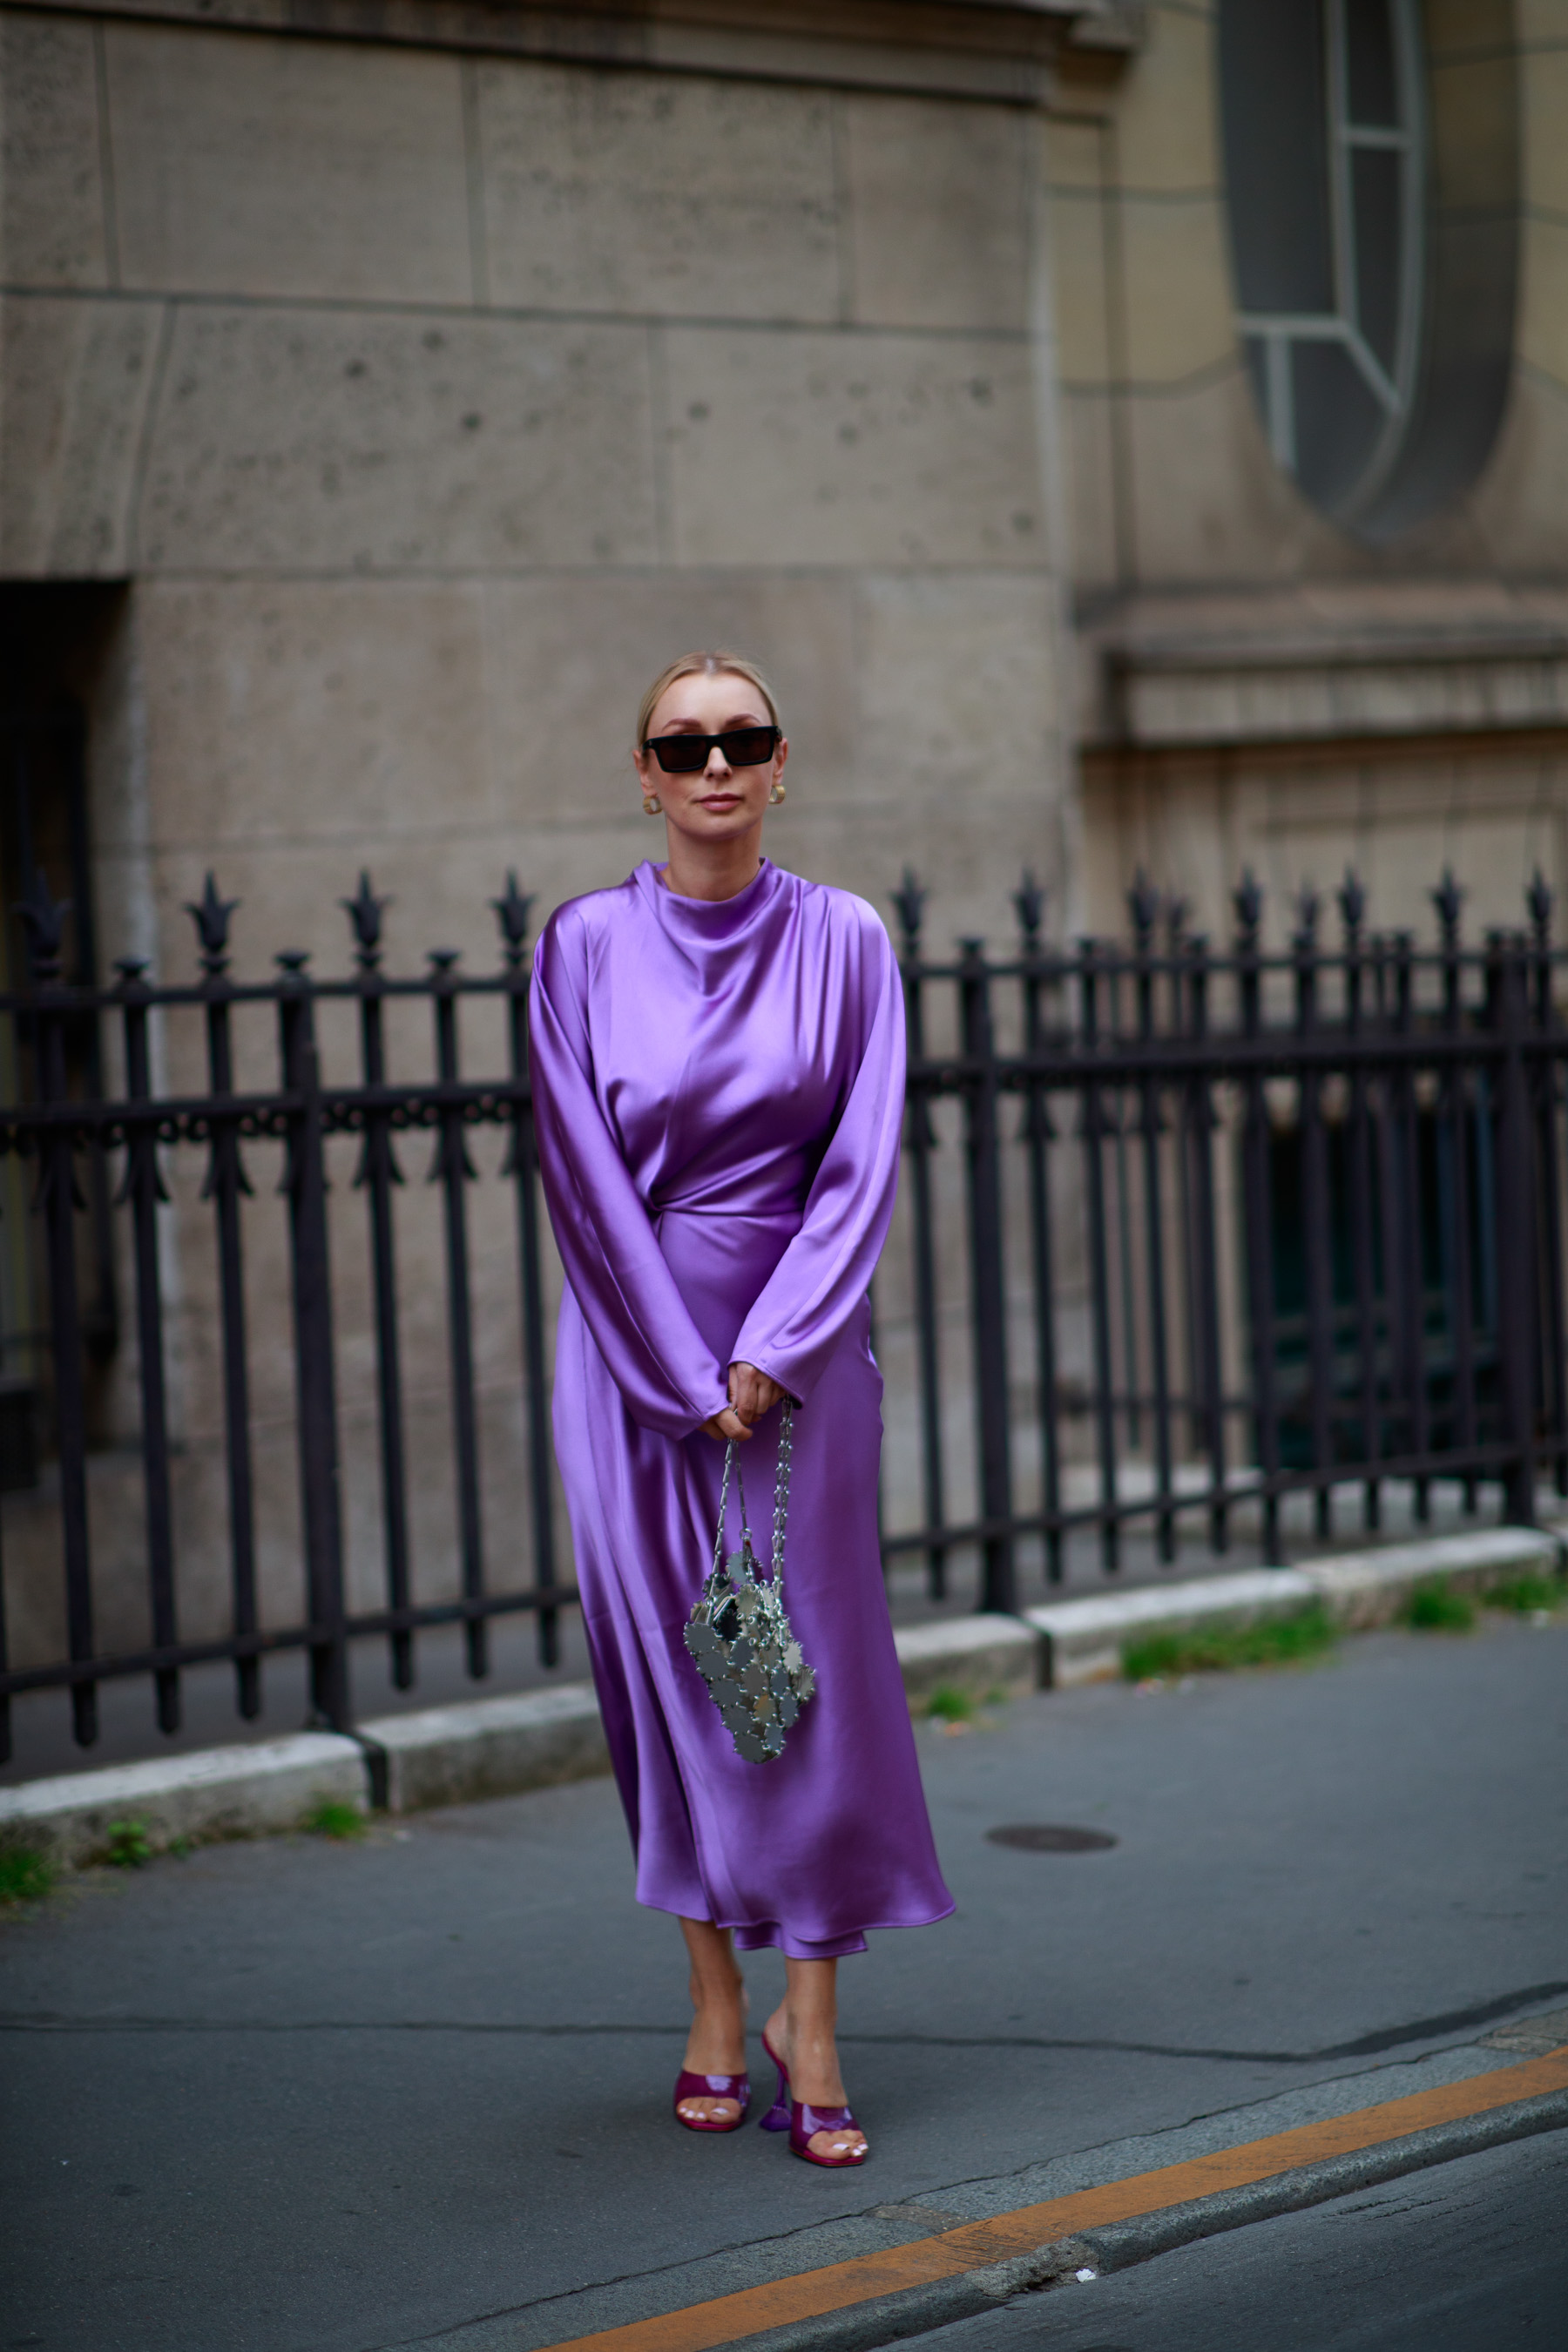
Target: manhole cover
(1048,1837)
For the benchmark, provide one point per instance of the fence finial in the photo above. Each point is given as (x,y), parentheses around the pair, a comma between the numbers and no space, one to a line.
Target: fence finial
(210,915)
(1538,898)
(512,913)
(364,911)
(45,919)
(909,899)
(1030,899)
(1308,907)
(1352,903)
(1247,902)
(1448,898)
(1143,905)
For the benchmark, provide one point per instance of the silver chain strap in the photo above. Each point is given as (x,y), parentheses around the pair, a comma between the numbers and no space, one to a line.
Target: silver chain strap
(781,1498)
(780,1493)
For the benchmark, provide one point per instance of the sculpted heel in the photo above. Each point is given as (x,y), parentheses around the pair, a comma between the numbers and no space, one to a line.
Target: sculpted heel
(803,2122)
(712,2086)
(777,2116)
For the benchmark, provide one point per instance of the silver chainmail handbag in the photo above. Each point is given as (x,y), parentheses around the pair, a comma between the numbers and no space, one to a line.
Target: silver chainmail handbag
(738,1632)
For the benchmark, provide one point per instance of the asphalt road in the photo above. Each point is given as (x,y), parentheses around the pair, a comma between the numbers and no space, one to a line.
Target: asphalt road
(297,2097)
(1472,2257)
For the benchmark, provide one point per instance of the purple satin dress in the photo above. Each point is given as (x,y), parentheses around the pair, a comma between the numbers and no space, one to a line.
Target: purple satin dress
(719,1097)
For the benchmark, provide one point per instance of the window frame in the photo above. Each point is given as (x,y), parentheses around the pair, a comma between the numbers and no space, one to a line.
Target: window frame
(1279,331)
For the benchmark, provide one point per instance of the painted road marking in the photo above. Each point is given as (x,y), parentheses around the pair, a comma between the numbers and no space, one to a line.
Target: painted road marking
(730,2317)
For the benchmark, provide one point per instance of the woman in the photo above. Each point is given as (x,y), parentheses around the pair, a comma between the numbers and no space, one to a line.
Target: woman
(717,1074)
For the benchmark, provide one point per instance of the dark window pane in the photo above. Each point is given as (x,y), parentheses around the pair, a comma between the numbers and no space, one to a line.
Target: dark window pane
(1338,421)
(1368,59)
(1275,116)
(1375,196)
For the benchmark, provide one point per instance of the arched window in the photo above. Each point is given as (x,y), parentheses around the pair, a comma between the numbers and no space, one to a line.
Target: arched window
(1325,144)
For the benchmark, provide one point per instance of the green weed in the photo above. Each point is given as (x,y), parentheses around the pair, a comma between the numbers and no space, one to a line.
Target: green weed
(130,1844)
(1432,1608)
(949,1705)
(25,1874)
(332,1818)
(1278,1642)
(1526,1594)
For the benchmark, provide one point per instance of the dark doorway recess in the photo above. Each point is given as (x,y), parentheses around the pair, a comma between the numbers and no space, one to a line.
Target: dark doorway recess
(53,641)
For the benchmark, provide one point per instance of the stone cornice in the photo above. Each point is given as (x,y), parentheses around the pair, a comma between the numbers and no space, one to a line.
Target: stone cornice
(1003,50)
(1394,659)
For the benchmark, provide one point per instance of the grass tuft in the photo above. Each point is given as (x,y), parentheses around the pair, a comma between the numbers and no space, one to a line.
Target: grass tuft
(1526,1594)
(25,1874)
(130,1844)
(1278,1642)
(949,1705)
(1432,1608)
(332,1818)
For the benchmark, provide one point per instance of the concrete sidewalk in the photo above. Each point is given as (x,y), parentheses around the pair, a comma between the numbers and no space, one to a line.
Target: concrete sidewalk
(297,2097)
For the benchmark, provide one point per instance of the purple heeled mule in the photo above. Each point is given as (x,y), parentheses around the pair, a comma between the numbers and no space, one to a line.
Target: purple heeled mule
(802,2121)
(711,2087)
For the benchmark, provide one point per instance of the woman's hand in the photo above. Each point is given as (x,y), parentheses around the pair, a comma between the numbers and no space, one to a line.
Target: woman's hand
(752,1394)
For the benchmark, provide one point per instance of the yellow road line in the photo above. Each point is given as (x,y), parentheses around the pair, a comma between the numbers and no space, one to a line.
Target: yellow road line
(729,2318)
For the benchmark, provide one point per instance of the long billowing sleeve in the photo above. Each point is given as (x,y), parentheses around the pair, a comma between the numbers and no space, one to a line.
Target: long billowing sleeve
(827,1269)
(656,1356)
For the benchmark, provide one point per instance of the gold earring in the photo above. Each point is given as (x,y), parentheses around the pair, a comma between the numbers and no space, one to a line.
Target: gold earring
(775,797)
(651,805)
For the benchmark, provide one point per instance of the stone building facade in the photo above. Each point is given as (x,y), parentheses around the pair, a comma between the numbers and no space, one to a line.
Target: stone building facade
(1129,436)
(387,390)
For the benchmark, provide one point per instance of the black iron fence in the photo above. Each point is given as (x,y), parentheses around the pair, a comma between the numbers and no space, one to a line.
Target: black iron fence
(1182,1234)
(1296,1215)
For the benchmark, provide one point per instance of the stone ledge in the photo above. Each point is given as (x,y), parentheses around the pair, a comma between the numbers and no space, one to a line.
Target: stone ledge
(487,1748)
(218,1792)
(1367,1588)
(976,1655)
(533,1740)
(1081,1640)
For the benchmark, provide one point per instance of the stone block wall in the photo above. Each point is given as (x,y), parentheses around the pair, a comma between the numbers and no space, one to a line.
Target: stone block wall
(431,401)
(426,399)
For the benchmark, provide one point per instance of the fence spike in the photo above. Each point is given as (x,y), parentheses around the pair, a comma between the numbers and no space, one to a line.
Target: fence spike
(1538,898)
(1029,899)
(1448,900)
(512,913)
(1353,902)
(45,919)
(1308,907)
(364,911)
(210,915)
(1247,902)
(909,899)
(1143,905)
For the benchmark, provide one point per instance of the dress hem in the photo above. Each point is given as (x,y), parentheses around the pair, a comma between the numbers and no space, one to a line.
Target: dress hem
(764,1935)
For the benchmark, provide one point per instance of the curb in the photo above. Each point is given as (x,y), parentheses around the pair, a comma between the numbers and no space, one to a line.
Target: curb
(486,1748)
(979,1656)
(216,1793)
(1082,1639)
(536,1739)
(1116,2246)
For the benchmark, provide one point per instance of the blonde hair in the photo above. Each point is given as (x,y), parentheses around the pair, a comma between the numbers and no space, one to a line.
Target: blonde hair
(715,665)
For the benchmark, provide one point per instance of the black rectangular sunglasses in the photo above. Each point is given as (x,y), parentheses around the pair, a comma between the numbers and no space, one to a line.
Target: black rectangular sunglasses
(683,755)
